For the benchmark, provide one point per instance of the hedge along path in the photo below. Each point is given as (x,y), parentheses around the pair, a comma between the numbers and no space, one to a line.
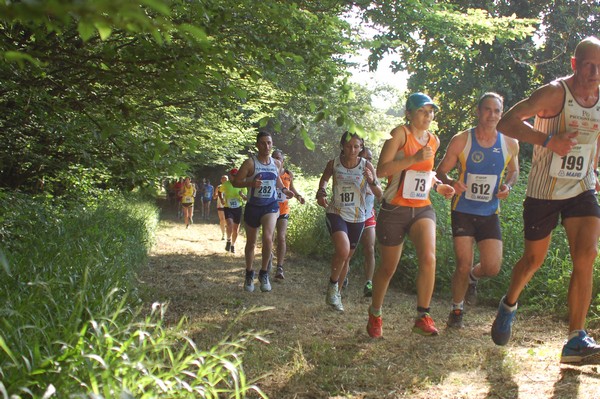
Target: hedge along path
(314,352)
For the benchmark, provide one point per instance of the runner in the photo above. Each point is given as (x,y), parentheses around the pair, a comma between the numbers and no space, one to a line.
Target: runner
(187,194)
(177,188)
(368,236)
(233,198)
(346,210)
(261,174)
(488,167)
(207,195)
(562,184)
(407,161)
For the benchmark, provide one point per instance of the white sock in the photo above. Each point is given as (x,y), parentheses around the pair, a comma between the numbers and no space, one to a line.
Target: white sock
(575,333)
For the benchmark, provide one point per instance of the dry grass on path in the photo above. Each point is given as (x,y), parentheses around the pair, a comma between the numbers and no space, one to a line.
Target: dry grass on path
(314,352)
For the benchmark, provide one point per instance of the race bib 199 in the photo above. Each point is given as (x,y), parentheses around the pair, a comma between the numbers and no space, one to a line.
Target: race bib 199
(574,165)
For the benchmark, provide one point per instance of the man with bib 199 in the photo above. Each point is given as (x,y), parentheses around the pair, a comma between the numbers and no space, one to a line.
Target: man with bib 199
(561,185)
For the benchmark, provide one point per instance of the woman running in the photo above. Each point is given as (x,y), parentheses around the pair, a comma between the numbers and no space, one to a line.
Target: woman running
(346,209)
(407,161)
(187,193)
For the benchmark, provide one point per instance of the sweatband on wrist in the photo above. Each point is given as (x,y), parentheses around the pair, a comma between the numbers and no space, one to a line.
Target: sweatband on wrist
(545,143)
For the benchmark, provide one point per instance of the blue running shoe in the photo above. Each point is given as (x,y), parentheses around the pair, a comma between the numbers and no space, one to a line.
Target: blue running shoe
(581,349)
(502,326)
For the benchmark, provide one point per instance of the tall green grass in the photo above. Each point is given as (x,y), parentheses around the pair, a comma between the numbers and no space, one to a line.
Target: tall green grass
(307,232)
(547,291)
(70,317)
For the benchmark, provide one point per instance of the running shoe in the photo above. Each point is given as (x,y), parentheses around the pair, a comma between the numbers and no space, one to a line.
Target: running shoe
(455,319)
(265,284)
(228,246)
(345,285)
(471,295)
(334,298)
(374,326)
(581,349)
(249,283)
(232,249)
(502,326)
(368,289)
(279,274)
(424,325)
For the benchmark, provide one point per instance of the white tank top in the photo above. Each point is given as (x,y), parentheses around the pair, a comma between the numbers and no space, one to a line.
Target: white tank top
(349,192)
(265,194)
(553,177)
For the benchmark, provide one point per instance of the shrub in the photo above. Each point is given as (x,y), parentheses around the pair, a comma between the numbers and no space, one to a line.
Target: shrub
(70,315)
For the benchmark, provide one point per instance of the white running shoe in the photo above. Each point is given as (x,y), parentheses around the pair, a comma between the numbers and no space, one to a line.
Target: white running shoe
(334,298)
(265,284)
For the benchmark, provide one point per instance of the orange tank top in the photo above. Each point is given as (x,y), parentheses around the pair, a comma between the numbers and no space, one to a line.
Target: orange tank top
(410,187)
(284,206)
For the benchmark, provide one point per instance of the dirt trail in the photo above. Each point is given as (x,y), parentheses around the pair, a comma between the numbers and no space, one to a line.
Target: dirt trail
(317,353)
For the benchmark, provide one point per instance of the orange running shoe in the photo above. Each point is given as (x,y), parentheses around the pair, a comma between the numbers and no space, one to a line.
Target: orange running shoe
(374,326)
(424,325)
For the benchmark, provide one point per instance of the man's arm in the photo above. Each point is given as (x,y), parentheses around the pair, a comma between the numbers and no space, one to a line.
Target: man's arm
(512,169)
(596,164)
(546,101)
(246,170)
(455,147)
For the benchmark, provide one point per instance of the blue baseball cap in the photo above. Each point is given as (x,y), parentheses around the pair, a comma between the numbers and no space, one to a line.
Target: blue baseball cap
(417,100)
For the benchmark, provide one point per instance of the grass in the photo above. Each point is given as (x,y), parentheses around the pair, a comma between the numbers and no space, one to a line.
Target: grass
(70,321)
(83,316)
(309,351)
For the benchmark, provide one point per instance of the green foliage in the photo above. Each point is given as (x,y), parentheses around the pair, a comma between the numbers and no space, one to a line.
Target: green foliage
(457,50)
(70,317)
(133,91)
(356,114)
(307,232)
